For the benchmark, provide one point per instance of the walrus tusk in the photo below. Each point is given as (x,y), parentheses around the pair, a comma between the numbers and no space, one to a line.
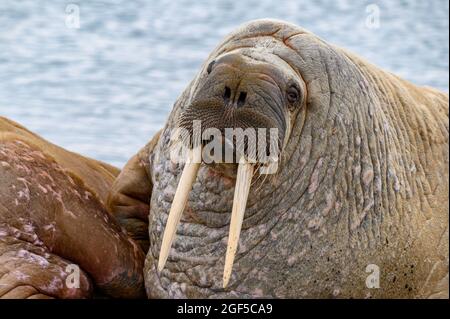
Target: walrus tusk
(243,182)
(179,202)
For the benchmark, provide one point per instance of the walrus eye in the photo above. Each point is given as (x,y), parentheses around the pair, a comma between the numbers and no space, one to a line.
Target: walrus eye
(210,66)
(293,94)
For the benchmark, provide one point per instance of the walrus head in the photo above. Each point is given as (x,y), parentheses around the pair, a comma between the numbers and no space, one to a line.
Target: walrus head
(244,90)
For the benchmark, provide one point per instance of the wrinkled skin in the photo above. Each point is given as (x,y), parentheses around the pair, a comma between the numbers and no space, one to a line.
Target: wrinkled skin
(52,215)
(363,179)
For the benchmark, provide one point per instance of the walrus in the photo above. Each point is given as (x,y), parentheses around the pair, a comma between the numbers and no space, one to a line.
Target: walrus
(57,239)
(358,205)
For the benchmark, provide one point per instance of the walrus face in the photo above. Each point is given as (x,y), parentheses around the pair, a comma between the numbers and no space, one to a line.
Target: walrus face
(247,90)
(244,90)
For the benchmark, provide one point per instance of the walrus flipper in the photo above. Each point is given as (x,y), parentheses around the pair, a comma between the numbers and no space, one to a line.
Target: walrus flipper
(129,197)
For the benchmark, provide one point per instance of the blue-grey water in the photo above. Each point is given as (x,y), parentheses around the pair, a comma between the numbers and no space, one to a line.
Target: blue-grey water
(105,88)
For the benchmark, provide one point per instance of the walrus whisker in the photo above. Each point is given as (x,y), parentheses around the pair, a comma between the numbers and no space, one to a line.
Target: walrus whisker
(243,182)
(256,180)
(262,180)
(179,202)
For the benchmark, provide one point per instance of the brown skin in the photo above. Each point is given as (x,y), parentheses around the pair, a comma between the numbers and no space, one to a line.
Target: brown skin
(363,178)
(52,214)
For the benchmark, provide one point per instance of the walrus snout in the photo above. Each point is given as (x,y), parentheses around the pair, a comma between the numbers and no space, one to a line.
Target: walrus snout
(240,90)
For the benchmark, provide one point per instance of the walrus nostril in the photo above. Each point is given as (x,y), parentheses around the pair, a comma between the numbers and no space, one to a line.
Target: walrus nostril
(227,95)
(241,100)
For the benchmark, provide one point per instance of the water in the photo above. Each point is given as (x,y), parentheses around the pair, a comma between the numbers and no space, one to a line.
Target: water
(104,89)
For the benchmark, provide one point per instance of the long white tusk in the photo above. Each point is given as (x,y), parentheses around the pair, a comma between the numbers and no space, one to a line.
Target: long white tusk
(179,202)
(243,182)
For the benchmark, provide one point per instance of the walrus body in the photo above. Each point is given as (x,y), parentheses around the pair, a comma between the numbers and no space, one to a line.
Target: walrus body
(362,183)
(53,221)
